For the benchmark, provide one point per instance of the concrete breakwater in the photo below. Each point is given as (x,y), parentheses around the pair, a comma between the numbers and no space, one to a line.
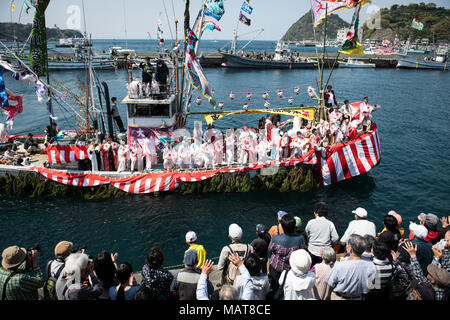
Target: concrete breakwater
(215,59)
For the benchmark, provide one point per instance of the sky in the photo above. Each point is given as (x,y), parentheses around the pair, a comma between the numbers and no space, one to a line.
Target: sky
(137,19)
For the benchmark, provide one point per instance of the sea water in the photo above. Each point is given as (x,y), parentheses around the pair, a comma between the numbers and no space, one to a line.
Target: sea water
(412,177)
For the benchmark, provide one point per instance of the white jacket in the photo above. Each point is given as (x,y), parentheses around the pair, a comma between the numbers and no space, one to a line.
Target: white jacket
(298,287)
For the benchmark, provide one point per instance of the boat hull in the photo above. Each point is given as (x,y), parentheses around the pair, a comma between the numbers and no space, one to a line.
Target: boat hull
(353,65)
(234,61)
(407,62)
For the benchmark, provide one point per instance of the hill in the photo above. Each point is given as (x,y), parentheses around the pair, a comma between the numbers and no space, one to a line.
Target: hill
(397,20)
(303,28)
(22,31)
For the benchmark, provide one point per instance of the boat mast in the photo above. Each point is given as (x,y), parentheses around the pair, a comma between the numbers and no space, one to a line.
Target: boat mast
(322,91)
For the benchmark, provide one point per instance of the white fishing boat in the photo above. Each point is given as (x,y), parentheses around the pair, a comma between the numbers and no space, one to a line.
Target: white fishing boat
(353,63)
(437,62)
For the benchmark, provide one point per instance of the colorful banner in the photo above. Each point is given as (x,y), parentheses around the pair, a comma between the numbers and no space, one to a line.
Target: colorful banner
(244,19)
(416,24)
(246,7)
(38,40)
(194,74)
(210,25)
(3,95)
(215,9)
(321,9)
(351,44)
(306,113)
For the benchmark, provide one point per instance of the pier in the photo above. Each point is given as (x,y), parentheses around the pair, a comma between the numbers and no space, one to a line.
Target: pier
(215,59)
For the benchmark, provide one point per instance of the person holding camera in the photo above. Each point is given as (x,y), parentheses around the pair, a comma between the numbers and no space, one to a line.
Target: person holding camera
(78,281)
(20,275)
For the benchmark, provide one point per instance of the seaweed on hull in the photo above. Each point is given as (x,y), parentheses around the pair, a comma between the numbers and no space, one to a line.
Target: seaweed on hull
(298,178)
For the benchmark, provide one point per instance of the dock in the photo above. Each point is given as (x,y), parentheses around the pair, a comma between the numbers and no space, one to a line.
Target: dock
(215,59)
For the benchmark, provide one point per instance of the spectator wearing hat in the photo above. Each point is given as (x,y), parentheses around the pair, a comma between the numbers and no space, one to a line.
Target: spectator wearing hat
(421,291)
(438,277)
(352,278)
(184,283)
(191,240)
(322,291)
(230,271)
(280,249)
(277,229)
(17,280)
(430,221)
(320,231)
(261,245)
(79,281)
(54,267)
(360,225)
(424,252)
(441,252)
(299,282)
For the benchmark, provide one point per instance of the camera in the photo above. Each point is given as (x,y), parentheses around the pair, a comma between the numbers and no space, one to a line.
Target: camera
(28,259)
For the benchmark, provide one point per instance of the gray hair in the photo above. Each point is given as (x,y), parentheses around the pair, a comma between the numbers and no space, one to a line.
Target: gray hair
(75,263)
(228,292)
(328,255)
(358,244)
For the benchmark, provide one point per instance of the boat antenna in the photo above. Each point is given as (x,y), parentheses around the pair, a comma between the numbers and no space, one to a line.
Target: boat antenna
(125,23)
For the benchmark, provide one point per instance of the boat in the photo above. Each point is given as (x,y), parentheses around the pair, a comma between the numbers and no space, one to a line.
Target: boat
(437,62)
(282,59)
(158,114)
(353,63)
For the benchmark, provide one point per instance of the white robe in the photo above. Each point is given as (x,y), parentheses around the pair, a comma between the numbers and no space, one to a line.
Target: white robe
(229,144)
(93,157)
(149,152)
(122,158)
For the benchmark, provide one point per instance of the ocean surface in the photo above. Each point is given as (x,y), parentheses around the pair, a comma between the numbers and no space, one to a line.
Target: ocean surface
(412,177)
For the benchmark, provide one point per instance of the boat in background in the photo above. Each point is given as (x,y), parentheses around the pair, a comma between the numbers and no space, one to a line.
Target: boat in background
(437,62)
(353,63)
(282,59)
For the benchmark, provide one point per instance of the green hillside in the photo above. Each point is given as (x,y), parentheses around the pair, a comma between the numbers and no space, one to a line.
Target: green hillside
(397,20)
(22,31)
(303,28)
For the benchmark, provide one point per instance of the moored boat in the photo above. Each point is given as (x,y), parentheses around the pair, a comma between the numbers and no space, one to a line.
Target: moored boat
(353,63)
(438,62)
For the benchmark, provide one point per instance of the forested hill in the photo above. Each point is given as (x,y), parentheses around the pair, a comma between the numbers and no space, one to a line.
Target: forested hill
(398,18)
(303,28)
(22,31)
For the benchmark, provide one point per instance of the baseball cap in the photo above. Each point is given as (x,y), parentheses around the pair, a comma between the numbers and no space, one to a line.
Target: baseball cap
(234,231)
(429,220)
(190,258)
(360,212)
(260,228)
(424,289)
(191,236)
(280,214)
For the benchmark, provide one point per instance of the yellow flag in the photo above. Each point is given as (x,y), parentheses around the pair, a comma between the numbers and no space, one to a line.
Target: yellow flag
(306,113)
(13,7)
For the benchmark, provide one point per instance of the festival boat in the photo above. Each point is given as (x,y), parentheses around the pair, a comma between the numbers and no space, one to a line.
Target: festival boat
(157,114)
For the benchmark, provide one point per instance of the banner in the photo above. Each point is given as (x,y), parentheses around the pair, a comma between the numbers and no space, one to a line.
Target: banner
(215,9)
(3,95)
(210,25)
(244,19)
(194,74)
(38,40)
(351,44)
(305,113)
(246,7)
(416,24)
(319,7)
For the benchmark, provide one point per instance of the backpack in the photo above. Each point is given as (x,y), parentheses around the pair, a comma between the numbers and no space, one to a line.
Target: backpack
(400,284)
(228,276)
(50,284)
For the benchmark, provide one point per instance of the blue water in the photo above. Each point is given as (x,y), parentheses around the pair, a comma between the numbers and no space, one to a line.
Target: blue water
(411,178)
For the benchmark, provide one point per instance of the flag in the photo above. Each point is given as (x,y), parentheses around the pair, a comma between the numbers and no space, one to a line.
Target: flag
(319,7)
(215,9)
(244,19)
(416,24)
(351,44)
(210,25)
(3,94)
(13,7)
(246,7)
(159,31)
(38,40)
(15,109)
(41,92)
(194,74)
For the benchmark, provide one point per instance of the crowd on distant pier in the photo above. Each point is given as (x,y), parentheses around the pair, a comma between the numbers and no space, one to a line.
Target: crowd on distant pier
(288,261)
